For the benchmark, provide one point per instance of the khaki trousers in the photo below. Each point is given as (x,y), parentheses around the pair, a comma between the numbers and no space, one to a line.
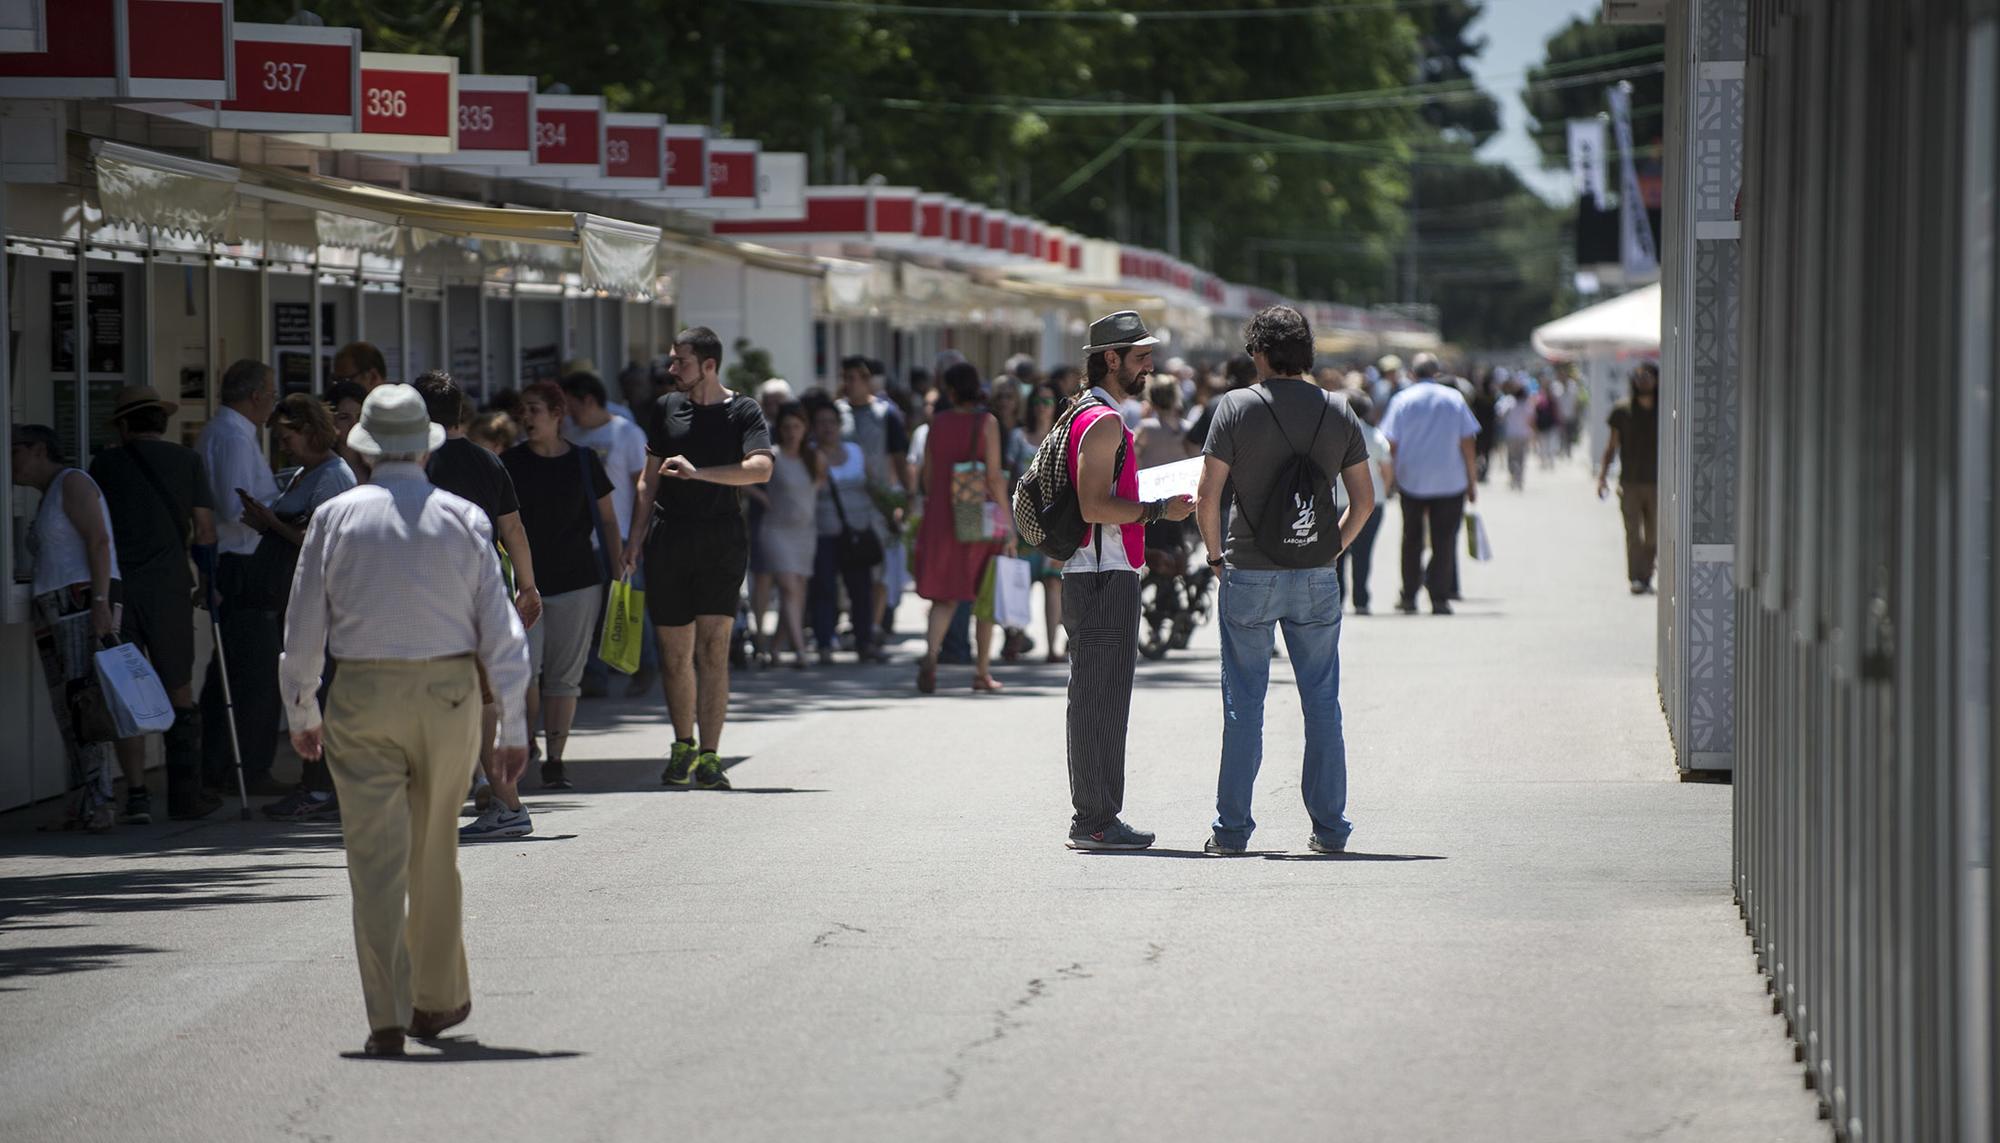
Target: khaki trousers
(401,739)
(1640,504)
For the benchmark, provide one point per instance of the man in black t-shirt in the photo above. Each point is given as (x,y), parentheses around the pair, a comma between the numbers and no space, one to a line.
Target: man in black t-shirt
(1635,442)
(161,508)
(702,444)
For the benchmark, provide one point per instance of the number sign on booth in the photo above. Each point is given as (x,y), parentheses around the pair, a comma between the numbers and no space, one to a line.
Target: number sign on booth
(291,78)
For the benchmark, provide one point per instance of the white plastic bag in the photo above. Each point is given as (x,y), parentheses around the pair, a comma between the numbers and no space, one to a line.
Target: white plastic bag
(1477,545)
(1013,589)
(132,692)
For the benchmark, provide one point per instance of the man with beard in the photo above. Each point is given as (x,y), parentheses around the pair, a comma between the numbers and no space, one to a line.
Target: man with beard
(1101,581)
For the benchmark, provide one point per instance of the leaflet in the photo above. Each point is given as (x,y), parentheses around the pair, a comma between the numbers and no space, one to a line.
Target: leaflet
(1166,481)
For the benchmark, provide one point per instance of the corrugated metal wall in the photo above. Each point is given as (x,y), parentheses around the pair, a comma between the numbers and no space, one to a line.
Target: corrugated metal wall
(1865,594)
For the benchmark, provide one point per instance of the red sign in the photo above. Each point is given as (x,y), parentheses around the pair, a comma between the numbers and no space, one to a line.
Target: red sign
(493,120)
(177,39)
(732,169)
(632,152)
(277,76)
(407,103)
(144,49)
(687,162)
(565,137)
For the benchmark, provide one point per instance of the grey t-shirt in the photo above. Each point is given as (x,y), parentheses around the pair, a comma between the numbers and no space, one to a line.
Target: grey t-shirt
(1256,444)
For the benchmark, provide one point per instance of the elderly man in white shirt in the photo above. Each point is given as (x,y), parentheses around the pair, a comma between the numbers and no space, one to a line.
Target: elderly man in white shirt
(232,452)
(402,723)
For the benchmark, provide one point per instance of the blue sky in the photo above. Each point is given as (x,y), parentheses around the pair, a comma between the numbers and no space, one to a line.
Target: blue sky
(1516,32)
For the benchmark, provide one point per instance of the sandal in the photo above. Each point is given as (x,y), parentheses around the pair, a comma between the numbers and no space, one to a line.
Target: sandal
(927,675)
(987,684)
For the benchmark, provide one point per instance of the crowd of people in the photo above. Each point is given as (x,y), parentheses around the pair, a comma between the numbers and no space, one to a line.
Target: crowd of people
(416,551)
(776,529)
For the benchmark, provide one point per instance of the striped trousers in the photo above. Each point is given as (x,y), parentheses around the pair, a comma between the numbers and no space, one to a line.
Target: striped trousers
(1101,614)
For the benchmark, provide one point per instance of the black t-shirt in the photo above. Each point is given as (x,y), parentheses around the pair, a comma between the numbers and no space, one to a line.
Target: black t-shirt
(559,514)
(466,470)
(1638,441)
(147,533)
(707,435)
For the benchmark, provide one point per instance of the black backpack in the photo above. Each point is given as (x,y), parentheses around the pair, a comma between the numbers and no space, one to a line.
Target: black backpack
(1046,512)
(1298,527)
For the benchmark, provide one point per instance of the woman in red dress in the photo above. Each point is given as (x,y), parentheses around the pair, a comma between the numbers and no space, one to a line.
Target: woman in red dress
(948,569)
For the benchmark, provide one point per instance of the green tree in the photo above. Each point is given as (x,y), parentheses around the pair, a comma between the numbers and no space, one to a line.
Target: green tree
(1445,53)
(1554,96)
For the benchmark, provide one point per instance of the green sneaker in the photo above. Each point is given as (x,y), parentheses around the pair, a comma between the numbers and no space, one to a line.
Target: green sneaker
(680,765)
(708,773)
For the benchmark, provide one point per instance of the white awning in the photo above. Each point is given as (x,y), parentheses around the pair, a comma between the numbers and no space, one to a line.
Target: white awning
(162,191)
(1629,321)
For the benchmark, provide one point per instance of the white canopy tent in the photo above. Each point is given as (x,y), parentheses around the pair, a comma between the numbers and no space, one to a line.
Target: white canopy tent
(1600,339)
(1627,323)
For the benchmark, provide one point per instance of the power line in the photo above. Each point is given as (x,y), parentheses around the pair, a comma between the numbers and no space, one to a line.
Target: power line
(1126,16)
(1408,96)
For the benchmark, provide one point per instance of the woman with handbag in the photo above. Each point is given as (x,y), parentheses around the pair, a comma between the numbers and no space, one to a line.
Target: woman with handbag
(565,500)
(308,435)
(849,550)
(965,490)
(76,595)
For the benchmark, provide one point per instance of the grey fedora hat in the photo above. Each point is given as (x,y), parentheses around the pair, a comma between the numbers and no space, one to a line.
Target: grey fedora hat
(1119,331)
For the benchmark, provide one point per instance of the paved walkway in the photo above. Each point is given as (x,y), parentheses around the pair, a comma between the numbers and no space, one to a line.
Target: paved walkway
(882,937)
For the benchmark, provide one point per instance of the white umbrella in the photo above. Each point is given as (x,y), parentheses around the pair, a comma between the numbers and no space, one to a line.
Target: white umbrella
(1627,322)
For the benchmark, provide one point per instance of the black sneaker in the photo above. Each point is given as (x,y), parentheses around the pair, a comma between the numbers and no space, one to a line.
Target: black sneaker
(1441,607)
(1117,835)
(300,806)
(138,808)
(556,777)
(708,773)
(1216,849)
(1407,606)
(1317,846)
(680,765)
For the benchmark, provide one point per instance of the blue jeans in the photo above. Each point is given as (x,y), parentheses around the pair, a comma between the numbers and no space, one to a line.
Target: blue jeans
(1307,602)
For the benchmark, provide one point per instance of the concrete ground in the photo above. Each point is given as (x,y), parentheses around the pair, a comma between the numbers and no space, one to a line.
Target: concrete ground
(881,936)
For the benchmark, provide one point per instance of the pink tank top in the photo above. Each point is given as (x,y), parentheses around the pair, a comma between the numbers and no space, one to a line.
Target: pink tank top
(1132,535)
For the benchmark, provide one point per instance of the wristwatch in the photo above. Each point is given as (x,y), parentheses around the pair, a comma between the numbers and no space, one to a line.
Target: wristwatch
(1215,561)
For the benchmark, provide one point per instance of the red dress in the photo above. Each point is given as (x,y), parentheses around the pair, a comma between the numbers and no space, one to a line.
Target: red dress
(947,570)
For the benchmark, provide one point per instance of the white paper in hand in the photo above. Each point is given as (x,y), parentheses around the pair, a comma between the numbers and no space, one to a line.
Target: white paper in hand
(1166,481)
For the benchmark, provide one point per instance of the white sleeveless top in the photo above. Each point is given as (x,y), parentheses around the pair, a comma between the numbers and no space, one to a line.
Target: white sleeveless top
(61,558)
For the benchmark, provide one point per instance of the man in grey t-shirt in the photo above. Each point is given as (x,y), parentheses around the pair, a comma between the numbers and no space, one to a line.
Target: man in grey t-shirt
(1257,432)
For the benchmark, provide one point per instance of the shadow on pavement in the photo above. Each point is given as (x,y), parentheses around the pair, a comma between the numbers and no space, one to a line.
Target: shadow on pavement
(1352,857)
(461,1050)
(57,960)
(149,890)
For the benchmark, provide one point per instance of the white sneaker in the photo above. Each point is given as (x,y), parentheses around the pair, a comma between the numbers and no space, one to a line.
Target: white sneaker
(497,824)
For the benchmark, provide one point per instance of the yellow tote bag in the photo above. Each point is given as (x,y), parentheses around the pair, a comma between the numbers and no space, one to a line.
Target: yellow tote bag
(624,627)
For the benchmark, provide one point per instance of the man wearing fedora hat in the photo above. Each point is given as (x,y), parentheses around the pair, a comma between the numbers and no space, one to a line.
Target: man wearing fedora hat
(1100,609)
(161,510)
(402,722)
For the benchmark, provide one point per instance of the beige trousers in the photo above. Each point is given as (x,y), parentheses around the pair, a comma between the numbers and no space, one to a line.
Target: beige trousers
(401,740)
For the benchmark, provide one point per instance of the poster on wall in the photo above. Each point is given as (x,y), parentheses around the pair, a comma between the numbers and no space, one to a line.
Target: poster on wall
(540,363)
(291,323)
(295,373)
(103,396)
(107,322)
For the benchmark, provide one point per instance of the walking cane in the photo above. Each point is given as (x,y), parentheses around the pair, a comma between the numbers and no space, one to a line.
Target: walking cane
(229,713)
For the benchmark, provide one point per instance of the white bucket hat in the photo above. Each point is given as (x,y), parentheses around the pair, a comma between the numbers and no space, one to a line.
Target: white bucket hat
(394,420)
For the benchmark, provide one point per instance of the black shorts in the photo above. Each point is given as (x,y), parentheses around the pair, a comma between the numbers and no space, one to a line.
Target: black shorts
(695,567)
(160,620)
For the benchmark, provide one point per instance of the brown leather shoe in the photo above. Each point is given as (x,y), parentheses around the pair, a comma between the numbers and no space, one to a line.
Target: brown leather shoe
(426,1025)
(384,1042)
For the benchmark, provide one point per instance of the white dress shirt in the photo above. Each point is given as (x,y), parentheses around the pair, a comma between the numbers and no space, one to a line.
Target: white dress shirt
(235,459)
(401,569)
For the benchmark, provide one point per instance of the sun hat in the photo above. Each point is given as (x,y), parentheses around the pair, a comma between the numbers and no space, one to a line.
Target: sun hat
(395,420)
(133,398)
(1124,329)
